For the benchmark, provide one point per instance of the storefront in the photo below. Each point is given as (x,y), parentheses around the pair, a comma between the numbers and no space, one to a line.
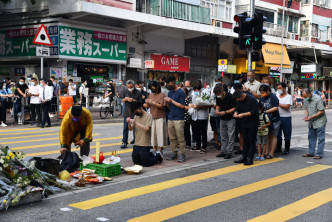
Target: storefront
(80,52)
(309,76)
(165,65)
(241,68)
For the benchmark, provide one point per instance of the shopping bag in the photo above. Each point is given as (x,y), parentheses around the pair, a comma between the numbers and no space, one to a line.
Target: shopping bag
(69,161)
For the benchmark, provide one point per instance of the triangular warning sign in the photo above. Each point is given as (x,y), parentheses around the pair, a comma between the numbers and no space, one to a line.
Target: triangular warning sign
(42,37)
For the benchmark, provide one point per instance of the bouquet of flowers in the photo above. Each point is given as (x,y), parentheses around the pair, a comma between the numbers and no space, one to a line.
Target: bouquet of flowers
(19,177)
(204,100)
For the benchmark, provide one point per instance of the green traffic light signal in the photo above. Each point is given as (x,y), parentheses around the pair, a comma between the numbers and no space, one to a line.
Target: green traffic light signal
(248,41)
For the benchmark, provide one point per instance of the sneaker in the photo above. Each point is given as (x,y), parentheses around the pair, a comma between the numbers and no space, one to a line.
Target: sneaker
(3,125)
(153,152)
(123,146)
(132,142)
(172,157)
(228,156)
(221,155)
(182,158)
(159,157)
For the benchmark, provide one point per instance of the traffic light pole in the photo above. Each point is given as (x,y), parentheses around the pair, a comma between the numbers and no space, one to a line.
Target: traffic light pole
(251,14)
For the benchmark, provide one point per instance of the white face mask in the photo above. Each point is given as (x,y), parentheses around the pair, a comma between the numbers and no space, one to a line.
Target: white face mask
(131,89)
(139,89)
(32,83)
(4,87)
(280,92)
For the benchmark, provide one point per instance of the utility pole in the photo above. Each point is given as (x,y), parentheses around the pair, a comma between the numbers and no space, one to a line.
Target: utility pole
(251,14)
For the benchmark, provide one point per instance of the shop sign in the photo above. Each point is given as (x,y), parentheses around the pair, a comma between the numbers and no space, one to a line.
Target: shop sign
(275,71)
(308,68)
(170,63)
(311,76)
(55,72)
(19,71)
(135,63)
(231,69)
(321,78)
(149,64)
(76,42)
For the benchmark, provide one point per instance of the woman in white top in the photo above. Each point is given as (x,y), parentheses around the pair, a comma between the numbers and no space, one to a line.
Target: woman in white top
(285,104)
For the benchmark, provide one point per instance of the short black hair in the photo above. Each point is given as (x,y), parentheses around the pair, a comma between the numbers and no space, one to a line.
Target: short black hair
(52,77)
(155,84)
(237,94)
(170,79)
(70,80)
(282,84)
(225,87)
(218,89)
(135,105)
(238,86)
(34,79)
(185,90)
(197,85)
(218,78)
(23,78)
(43,79)
(265,88)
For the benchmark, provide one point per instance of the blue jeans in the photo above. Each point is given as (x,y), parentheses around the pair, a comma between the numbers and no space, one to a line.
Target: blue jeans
(17,107)
(312,137)
(286,127)
(125,131)
(218,129)
(120,105)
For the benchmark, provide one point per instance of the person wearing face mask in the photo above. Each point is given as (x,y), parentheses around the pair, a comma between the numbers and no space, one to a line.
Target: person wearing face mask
(56,93)
(142,123)
(285,104)
(252,85)
(268,81)
(131,95)
(176,103)
(20,93)
(164,89)
(45,96)
(225,109)
(246,111)
(76,127)
(139,87)
(157,104)
(81,91)
(315,116)
(188,86)
(270,103)
(35,103)
(110,91)
(4,98)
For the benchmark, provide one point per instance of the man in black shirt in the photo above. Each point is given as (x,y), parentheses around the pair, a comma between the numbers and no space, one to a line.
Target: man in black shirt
(20,92)
(110,94)
(225,109)
(247,111)
(131,95)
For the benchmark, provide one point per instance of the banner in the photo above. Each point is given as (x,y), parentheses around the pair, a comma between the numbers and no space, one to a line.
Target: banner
(170,63)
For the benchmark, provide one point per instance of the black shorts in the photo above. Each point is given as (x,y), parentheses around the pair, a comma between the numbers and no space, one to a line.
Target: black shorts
(213,123)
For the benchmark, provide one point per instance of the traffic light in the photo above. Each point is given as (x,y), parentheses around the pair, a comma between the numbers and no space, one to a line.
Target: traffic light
(245,30)
(257,36)
(238,29)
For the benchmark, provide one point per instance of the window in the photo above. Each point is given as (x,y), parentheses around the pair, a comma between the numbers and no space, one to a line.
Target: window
(220,9)
(280,19)
(293,24)
(201,49)
(269,15)
(314,31)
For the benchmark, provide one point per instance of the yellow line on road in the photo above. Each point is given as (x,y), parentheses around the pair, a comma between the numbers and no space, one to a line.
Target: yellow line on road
(26,129)
(54,138)
(73,149)
(297,208)
(193,205)
(46,131)
(19,137)
(104,200)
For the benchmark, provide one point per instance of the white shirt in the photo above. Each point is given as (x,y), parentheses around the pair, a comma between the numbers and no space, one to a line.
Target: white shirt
(254,86)
(48,93)
(72,92)
(81,90)
(34,90)
(286,100)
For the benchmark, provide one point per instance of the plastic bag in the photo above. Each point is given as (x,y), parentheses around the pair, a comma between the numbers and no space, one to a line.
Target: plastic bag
(69,161)
(193,113)
(87,160)
(112,160)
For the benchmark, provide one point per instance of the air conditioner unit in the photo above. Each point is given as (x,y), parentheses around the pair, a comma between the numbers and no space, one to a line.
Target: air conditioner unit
(322,3)
(304,39)
(218,23)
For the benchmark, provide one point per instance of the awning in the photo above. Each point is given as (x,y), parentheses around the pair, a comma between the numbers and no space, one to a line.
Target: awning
(272,55)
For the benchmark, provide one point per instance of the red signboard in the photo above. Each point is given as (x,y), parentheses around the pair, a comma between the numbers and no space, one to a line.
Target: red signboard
(170,63)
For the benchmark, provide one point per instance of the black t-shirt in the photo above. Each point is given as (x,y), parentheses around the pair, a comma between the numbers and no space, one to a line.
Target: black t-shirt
(23,88)
(136,95)
(110,89)
(250,104)
(226,104)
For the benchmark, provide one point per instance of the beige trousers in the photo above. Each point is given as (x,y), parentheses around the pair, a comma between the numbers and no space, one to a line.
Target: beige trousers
(176,135)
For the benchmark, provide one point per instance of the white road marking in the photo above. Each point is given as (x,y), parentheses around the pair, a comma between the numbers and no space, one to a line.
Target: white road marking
(102,219)
(310,162)
(65,209)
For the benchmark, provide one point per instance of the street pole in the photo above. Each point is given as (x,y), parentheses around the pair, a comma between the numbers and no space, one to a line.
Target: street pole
(42,64)
(251,14)
(282,39)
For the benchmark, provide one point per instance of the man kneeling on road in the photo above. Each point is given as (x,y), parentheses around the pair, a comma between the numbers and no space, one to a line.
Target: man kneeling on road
(142,123)
(76,127)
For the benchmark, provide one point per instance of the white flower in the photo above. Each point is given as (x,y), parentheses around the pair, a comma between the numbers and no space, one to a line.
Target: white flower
(5,165)
(2,157)
(2,161)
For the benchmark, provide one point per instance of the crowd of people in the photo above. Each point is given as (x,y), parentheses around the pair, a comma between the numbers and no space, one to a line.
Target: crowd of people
(254,114)
(37,97)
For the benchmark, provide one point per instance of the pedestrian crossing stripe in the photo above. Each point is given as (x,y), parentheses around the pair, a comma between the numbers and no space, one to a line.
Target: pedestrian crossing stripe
(58,144)
(73,149)
(36,132)
(197,204)
(297,208)
(20,137)
(108,199)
